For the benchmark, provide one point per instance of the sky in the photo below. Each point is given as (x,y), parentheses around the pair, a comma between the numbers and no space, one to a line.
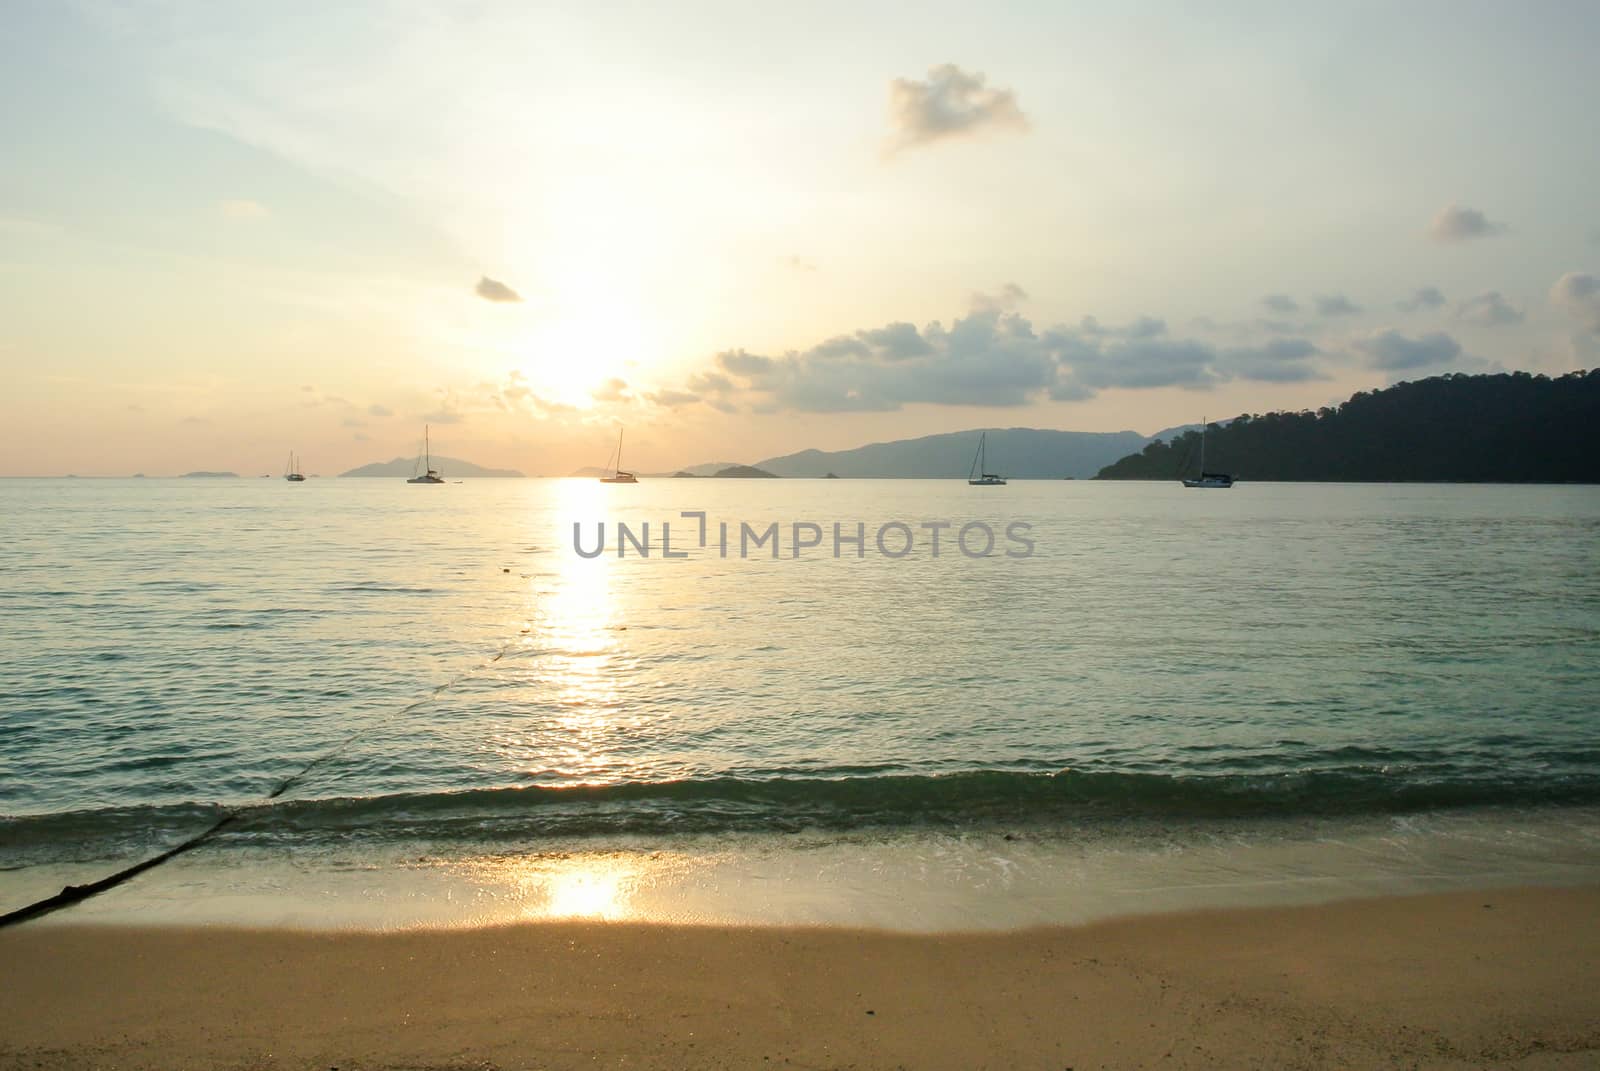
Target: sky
(231,230)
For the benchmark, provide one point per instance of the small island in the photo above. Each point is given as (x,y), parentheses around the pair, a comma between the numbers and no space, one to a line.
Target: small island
(204,475)
(745,472)
(449,467)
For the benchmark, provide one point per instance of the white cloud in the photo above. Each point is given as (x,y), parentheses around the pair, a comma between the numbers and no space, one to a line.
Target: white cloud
(951,103)
(1578,294)
(1426,297)
(991,357)
(612,390)
(1390,351)
(1006,299)
(1336,305)
(494,290)
(1489,309)
(1459,224)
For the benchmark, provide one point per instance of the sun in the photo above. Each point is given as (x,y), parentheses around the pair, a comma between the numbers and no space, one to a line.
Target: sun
(581,345)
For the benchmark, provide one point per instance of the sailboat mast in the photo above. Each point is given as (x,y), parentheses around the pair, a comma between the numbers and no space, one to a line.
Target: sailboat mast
(427,450)
(1202,446)
(619,449)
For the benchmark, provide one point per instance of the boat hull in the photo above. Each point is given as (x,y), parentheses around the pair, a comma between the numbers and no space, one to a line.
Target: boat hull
(1219,482)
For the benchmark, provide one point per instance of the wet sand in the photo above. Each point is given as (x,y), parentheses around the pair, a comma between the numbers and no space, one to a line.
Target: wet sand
(1508,978)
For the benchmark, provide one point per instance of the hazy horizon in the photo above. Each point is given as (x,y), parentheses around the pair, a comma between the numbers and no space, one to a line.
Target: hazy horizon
(228,233)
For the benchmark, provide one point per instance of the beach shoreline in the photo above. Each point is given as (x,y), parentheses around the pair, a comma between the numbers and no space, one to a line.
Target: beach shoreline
(1500,978)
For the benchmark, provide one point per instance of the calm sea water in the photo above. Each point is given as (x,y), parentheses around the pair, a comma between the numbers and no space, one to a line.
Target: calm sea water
(437,664)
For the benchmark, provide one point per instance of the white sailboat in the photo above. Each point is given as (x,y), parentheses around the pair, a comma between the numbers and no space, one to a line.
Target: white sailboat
(979,478)
(618,474)
(428,473)
(1207,479)
(291,472)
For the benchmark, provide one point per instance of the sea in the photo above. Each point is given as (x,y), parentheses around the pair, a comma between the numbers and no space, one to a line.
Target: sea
(780,701)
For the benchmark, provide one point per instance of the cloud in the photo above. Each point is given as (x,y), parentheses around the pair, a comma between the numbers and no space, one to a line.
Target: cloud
(1135,363)
(896,341)
(711,383)
(353,422)
(494,290)
(951,103)
(1009,297)
(379,410)
(741,363)
(671,399)
(991,357)
(1143,327)
(1282,360)
(1578,295)
(447,413)
(797,262)
(1282,304)
(1336,305)
(1427,297)
(612,390)
(1391,351)
(242,209)
(1459,224)
(1488,309)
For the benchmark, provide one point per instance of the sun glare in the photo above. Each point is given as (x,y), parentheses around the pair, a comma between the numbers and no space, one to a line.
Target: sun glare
(569,357)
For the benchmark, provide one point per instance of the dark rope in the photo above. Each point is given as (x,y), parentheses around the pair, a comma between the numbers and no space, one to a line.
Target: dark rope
(74,894)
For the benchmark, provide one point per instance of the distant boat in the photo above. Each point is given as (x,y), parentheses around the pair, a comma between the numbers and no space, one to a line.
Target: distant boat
(292,471)
(618,475)
(977,477)
(429,474)
(1207,479)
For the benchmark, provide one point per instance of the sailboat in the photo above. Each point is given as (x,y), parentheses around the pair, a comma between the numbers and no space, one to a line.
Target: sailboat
(979,478)
(429,473)
(618,475)
(1207,479)
(292,471)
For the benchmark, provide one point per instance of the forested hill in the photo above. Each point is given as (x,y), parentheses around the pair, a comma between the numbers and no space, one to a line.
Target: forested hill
(1510,428)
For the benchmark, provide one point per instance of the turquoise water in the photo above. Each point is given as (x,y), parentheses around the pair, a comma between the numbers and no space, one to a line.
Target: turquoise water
(437,665)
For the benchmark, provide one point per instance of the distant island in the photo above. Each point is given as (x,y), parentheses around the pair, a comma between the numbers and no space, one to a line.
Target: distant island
(449,468)
(203,475)
(745,472)
(1505,428)
(1020,453)
(709,468)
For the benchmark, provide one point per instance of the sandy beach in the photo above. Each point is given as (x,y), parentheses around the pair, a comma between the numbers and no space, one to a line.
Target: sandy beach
(1508,978)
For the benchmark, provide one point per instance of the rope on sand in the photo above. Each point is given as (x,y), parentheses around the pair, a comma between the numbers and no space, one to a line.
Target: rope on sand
(74,894)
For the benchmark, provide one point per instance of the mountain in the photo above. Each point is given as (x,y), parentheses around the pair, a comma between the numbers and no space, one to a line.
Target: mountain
(709,468)
(449,468)
(1505,428)
(1020,453)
